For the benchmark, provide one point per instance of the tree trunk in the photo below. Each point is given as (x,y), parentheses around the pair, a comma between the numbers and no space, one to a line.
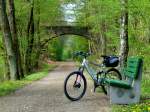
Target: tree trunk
(6,65)
(124,47)
(11,58)
(13,27)
(30,39)
(7,72)
(38,45)
(103,37)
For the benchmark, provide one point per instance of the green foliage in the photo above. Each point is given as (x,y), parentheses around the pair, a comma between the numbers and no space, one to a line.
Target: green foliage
(46,12)
(92,13)
(62,48)
(50,11)
(73,44)
(56,48)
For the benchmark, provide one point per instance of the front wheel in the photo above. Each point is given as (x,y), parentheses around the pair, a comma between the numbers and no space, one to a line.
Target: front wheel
(75,86)
(111,74)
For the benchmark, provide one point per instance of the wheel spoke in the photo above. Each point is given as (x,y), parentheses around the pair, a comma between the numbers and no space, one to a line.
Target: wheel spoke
(75,86)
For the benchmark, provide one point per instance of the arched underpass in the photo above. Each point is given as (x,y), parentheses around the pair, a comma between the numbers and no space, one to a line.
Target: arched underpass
(57,31)
(75,30)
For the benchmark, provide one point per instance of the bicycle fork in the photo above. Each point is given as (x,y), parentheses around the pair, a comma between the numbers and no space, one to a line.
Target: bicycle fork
(77,81)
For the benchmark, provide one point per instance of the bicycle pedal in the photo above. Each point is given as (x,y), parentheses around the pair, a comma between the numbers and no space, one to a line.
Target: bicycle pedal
(92,90)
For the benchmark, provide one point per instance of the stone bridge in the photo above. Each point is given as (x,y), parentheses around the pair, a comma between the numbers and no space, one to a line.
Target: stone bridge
(70,30)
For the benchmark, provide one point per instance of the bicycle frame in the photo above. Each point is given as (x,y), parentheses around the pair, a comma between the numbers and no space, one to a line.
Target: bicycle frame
(97,74)
(90,70)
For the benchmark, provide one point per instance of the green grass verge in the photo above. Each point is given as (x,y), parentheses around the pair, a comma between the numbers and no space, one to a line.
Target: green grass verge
(10,86)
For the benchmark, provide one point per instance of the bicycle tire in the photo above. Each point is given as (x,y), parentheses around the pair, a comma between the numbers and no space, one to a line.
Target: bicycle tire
(104,87)
(66,82)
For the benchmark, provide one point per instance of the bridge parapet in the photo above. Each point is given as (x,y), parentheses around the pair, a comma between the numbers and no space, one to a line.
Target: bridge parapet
(83,31)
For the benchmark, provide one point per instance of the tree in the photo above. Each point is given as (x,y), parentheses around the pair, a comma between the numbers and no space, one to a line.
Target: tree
(124,47)
(7,38)
(38,43)
(13,28)
(30,38)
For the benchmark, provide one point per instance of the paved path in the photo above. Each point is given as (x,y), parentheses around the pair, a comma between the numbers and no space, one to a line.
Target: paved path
(47,95)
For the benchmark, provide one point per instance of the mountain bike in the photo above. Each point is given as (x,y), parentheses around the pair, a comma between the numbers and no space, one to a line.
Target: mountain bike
(75,84)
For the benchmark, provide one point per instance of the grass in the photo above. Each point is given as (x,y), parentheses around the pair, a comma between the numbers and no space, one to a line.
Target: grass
(8,87)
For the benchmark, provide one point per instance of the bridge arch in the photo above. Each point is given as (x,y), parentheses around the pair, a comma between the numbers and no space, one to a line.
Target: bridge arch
(58,31)
(70,30)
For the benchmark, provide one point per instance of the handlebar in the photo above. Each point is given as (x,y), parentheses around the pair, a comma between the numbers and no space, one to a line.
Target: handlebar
(81,53)
(85,55)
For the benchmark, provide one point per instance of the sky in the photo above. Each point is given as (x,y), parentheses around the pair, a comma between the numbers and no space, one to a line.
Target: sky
(69,12)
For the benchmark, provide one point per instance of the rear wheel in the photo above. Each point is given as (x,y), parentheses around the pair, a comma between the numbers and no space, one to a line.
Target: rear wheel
(75,86)
(111,74)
